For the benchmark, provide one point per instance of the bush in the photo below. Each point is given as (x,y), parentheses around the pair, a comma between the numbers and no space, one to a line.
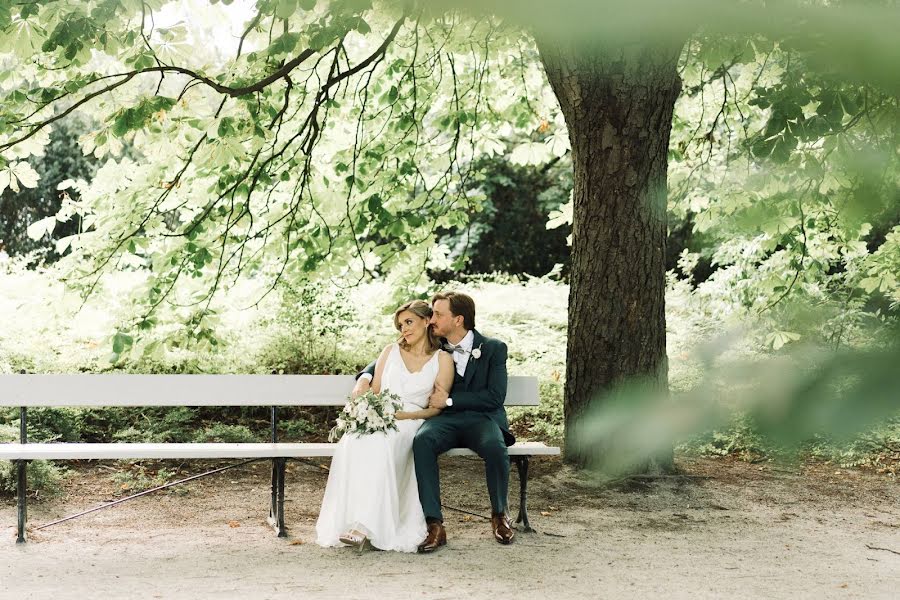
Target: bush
(153,424)
(302,428)
(231,434)
(51,424)
(739,439)
(517,206)
(135,477)
(878,448)
(44,478)
(62,159)
(545,422)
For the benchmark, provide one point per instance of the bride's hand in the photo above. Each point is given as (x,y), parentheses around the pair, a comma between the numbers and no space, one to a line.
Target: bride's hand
(401,415)
(362,386)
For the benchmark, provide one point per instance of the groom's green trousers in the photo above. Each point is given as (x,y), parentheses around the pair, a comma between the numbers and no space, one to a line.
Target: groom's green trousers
(464,429)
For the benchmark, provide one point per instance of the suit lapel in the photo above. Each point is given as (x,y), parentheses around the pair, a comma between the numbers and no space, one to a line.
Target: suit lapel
(477,340)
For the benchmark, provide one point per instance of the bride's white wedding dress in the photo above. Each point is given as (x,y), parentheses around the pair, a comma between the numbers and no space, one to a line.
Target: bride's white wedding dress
(372,483)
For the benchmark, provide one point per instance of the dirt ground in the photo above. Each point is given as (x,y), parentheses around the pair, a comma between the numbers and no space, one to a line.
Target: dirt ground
(727,529)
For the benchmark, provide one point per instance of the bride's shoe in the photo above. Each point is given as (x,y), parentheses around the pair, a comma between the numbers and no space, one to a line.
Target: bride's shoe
(355,539)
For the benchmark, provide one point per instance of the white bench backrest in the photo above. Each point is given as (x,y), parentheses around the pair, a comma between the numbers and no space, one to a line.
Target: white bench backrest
(201,390)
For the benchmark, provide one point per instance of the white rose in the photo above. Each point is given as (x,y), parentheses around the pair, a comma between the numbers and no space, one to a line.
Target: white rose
(476,353)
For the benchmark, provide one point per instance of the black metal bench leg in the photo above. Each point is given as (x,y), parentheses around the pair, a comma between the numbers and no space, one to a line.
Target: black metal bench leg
(522,466)
(276,509)
(22,500)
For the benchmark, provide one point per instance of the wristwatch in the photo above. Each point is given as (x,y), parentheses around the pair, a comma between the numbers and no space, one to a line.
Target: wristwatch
(449,401)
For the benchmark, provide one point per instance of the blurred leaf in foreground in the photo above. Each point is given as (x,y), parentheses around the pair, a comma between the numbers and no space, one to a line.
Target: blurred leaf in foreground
(790,398)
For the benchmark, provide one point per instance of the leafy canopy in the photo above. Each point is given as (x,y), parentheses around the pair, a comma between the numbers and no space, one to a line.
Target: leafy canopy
(335,138)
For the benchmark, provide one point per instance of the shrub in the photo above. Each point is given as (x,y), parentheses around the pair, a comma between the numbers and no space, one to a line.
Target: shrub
(302,428)
(738,439)
(517,205)
(157,424)
(44,478)
(304,336)
(136,477)
(232,434)
(544,422)
(878,448)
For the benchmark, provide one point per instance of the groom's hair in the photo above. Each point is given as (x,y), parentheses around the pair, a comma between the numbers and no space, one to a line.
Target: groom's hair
(461,305)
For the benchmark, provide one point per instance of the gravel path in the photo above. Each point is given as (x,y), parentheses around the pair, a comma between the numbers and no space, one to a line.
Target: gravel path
(729,530)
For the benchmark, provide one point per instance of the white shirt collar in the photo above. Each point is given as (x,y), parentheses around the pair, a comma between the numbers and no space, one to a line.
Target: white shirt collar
(468,341)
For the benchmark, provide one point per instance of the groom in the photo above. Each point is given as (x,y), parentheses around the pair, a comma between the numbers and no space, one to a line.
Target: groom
(472,417)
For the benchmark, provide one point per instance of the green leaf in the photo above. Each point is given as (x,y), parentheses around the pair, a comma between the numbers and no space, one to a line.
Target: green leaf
(28,10)
(777,339)
(121,342)
(120,126)
(225,127)
(870,284)
(5,17)
(283,44)
(285,8)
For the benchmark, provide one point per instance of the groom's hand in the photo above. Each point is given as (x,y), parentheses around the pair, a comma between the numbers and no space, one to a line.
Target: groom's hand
(438,398)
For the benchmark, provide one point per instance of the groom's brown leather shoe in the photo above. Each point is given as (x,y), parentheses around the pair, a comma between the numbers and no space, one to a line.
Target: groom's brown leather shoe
(502,526)
(437,537)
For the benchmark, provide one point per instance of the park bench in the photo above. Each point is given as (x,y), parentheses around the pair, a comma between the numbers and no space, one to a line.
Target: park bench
(27,391)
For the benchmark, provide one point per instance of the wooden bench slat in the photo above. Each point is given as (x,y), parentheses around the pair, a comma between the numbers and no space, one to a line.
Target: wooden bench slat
(201,390)
(71,451)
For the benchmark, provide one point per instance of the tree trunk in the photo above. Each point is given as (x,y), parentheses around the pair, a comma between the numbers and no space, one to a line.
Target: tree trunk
(618,103)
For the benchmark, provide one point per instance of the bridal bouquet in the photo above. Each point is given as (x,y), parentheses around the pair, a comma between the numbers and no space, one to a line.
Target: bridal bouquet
(368,413)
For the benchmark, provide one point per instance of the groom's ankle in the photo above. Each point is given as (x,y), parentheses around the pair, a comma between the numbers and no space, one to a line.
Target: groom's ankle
(430,520)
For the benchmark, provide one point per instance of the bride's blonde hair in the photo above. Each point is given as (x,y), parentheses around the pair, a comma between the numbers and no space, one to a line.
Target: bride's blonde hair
(421,309)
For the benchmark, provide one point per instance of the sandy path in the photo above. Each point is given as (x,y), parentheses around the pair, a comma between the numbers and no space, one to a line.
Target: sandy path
(743,533)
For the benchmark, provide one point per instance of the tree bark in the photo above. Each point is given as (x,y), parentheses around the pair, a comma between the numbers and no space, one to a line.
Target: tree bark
(618,103)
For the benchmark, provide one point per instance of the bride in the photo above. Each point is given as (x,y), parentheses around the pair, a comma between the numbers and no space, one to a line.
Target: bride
(372,495)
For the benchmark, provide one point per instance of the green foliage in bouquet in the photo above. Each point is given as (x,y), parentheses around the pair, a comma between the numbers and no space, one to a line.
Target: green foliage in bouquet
(368,413)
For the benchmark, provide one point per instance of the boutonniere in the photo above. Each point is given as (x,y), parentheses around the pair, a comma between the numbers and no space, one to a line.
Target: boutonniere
(476,352)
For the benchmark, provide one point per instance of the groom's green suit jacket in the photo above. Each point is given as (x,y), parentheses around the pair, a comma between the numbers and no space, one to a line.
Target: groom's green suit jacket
(483,387)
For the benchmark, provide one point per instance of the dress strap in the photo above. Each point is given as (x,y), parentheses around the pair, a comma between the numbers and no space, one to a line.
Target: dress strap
(434,359)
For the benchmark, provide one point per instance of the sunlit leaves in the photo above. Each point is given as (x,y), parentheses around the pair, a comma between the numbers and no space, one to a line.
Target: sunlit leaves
(283,44)
(285,8)
(530,153)
(138,116)
(777,339)
(270,185)
(22,37)
(785,168)
(17,173)
(72,36)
